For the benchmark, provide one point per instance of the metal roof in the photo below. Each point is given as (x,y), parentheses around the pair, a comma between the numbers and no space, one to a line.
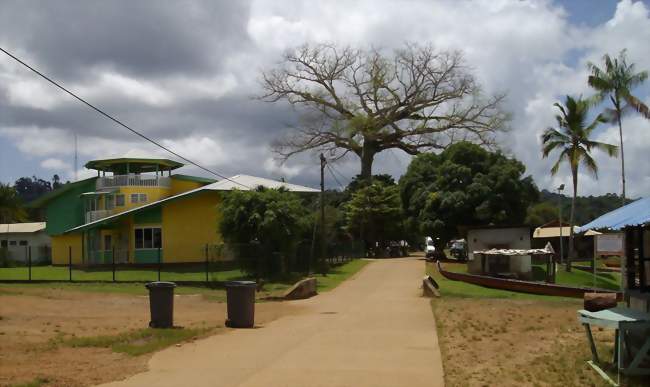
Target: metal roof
(247,183)
(554,232)
(21,227)
(240,182)
(634,214)
(139,164)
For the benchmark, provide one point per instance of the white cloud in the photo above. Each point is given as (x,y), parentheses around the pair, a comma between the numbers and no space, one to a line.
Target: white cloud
(55,164)
(278,169)
(527,48)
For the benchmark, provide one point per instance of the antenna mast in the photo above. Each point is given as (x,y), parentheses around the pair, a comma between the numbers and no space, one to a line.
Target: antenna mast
(76,159)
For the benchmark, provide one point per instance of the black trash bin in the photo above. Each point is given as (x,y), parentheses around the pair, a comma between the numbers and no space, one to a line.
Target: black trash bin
(161,304)
(240,297)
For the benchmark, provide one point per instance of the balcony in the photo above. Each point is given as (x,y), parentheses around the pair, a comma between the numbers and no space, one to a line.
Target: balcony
(133,181)
(92,216)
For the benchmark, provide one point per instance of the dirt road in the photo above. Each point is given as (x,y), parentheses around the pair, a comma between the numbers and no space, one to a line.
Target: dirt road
(373,330)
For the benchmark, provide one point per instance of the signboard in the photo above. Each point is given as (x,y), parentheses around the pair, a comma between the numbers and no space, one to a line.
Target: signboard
(610,244)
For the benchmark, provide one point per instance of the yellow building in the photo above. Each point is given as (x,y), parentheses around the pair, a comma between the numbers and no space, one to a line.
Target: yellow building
(138,211)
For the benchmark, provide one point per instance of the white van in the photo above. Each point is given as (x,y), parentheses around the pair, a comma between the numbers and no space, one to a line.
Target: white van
(429,248)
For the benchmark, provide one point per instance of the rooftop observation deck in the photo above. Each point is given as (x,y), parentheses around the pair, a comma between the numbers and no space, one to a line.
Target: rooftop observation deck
(133,181)
(133,172)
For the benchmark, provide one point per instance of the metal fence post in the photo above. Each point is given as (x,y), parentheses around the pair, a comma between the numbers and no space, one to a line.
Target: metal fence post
(113,263)
(29,261)
(207,264)
(70,263)
(159,264)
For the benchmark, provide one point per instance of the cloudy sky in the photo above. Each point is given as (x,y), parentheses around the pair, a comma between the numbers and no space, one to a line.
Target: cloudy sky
(185,72)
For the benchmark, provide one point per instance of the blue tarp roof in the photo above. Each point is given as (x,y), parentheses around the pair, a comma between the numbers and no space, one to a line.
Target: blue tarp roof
(633,214)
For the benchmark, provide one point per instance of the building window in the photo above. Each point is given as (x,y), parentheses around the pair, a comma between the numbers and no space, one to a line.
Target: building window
(148,238)
(109,202)
(119,200)
(138,198)
(3,243)
(12,243)
(22,243)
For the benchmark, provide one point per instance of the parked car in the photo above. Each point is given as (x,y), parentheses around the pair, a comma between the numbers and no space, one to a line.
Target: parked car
(458,249)
(429,248)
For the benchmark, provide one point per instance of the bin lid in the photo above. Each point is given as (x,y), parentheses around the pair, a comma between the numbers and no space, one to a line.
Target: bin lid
(160,284)
(241,284)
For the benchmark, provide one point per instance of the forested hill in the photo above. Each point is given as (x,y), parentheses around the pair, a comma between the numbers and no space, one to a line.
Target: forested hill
(588,208)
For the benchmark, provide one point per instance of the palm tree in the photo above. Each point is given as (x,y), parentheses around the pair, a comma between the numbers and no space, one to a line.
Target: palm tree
(11,209)
(572,139)
(616,81)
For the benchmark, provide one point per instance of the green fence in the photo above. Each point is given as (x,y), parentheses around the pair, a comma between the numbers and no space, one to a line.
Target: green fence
(220,263)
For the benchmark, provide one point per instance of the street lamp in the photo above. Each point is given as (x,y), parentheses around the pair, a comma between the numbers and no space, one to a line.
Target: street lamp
(559,192)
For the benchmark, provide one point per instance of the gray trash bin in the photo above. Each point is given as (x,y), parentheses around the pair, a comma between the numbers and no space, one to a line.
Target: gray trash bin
(161,304)
(240,297)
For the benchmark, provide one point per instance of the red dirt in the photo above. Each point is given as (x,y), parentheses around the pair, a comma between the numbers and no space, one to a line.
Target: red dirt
(29,321)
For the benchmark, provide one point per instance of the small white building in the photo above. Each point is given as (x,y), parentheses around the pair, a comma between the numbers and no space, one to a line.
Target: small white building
(488,238)
(16,239)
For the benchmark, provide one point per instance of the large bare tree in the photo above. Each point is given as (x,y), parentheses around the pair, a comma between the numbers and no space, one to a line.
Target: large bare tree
(364,101)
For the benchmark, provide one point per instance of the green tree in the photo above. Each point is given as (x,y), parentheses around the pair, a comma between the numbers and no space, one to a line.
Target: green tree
(374,213)
(572,138)
(465,185)
(366,101)
(541,213)
(11,206)
(616,80)
(275,220)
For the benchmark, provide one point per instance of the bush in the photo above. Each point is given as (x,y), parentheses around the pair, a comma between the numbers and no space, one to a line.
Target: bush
(264,228)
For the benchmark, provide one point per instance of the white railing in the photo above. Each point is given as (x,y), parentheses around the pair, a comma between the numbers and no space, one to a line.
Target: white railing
(133,180)
(92,216)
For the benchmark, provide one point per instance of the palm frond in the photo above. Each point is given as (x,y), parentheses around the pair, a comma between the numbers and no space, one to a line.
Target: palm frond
(589,163)
(637,105)
(564,155)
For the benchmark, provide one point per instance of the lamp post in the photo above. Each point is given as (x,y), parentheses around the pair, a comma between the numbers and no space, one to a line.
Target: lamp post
(559,192)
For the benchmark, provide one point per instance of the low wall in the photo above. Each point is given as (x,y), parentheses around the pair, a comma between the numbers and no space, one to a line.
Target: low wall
(523,286)
(302,289)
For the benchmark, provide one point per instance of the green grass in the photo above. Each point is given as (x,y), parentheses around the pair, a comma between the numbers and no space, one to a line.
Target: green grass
(339,274)
(450,288)
(271,287)
(187,273)
(574,278)
(136,342)
(38,382)
(582,278)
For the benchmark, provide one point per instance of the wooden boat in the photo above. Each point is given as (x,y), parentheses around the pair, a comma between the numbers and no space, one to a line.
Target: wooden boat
(523,286)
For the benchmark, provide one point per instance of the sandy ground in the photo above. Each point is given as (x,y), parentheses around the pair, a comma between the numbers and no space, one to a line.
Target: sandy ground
(499,342)
(373,330)
(29,321)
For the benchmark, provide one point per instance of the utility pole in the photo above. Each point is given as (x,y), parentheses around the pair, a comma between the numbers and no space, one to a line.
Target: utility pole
(323,264)
(559,192)
(76,159)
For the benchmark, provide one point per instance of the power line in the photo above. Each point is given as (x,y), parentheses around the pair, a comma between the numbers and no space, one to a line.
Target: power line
(340,174)
(103,113)
(333,175)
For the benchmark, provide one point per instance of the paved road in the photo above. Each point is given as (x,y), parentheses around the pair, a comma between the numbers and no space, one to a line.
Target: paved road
(373,330)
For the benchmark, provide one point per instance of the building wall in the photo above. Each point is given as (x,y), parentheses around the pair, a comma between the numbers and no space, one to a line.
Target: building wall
(39,242)
(180,186)
(60,245)
(188,225)
(511,238)
(66,210)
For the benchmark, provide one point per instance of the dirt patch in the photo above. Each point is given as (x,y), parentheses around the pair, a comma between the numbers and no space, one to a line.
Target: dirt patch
(490,342)
(31,320)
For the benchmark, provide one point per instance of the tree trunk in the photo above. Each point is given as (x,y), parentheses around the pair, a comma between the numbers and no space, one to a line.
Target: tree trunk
(620,132)
(574,174)
(367,157)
